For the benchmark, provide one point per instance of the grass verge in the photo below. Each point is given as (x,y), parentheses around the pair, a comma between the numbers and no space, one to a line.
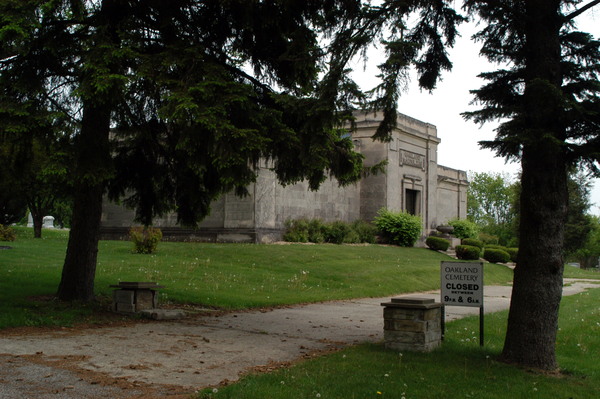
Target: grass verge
(229,276)
(459,369)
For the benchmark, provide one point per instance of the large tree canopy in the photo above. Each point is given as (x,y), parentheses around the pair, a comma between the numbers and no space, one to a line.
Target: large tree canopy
(174,102)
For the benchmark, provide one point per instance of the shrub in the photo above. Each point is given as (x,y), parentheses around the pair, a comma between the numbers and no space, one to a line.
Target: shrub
(494,255)
(145,239)
(398,228)
(463,228)
(437,243)
(513,252)
(316,231)
(297,230)
(472,242)
(366,231)
(496,247)
(7,233)
(351,237)
(337,232)
(488,239)
(467,252)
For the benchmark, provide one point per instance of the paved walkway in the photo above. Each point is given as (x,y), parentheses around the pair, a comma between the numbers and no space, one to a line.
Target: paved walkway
(170,358)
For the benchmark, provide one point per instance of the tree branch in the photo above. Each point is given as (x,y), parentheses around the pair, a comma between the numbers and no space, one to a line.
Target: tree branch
(580,11)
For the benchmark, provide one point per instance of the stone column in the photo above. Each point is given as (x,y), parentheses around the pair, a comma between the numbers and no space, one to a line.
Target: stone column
(412,324)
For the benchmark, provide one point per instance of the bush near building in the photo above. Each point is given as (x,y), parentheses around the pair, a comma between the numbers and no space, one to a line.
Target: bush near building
(464,228)
(472,242)
(338,232)
(467,252)
(496,255)
(399,228)
(437,243)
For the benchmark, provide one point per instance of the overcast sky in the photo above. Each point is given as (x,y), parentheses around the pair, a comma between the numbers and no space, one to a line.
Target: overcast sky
(442,108)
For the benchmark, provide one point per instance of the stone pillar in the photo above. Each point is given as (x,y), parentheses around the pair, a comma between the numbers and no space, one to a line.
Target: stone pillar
(412,324)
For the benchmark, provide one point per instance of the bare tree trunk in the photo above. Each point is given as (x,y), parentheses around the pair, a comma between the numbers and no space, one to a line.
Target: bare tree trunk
(537,289)
(79,270)
(38,221)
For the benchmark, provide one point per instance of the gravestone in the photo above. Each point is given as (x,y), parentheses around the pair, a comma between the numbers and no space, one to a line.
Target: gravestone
(48,222)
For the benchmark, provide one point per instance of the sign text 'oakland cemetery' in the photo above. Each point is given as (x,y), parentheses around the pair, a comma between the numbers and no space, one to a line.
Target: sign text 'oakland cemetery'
(462,284)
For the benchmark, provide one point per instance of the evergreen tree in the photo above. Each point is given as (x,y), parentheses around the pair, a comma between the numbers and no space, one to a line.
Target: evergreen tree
(549,96)
(175,102)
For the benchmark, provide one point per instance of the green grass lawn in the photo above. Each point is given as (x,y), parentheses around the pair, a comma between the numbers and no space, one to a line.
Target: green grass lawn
(229,276)
(459,369)
(237,276)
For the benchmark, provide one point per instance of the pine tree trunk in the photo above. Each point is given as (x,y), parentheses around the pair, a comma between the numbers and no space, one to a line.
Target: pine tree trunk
(537,288)
(79,269)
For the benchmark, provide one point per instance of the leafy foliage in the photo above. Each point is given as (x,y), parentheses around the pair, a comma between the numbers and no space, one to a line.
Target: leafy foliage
(145,239)
(514,253)
(467,252)
(399,228)
(367,233)
(437,243)
(338,232)
(491,204)
(7,233)
(296,230)
(487,238)
(496,255)
(464,228)
(473,242)
(589,254)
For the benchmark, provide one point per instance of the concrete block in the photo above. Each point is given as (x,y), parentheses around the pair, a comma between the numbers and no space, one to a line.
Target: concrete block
(144,299)
(125,307)
(163,314)
(124,296)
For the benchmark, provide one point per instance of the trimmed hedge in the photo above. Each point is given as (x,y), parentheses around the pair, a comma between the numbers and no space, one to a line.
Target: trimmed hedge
(467,252)
(494,255)
(437,243)
(315,230)
(400,228)
(472,242)
(502,247)
(513,252)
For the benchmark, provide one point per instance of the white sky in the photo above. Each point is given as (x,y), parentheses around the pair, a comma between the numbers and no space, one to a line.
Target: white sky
(442,108)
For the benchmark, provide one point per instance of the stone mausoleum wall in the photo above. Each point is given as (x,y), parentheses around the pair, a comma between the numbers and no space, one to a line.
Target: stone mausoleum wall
(413,182)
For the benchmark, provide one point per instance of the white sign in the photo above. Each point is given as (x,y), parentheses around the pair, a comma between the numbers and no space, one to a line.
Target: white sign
(462,284)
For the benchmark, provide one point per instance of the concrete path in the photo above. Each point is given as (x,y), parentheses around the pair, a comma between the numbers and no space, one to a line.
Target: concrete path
(171,358)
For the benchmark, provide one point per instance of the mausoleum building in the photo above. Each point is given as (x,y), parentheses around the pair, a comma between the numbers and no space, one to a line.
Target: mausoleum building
(413,182)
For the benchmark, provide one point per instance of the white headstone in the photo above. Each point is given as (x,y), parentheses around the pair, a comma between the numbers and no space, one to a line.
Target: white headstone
(48,222)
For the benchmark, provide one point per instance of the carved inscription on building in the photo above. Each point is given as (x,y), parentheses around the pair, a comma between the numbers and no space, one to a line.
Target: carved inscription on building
(412,159)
